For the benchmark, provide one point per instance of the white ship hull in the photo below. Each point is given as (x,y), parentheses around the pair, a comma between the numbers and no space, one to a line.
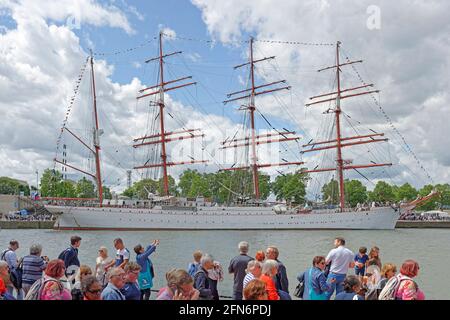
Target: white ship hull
(218,218)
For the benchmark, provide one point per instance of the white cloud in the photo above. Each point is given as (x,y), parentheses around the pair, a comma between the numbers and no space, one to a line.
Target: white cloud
(407,58)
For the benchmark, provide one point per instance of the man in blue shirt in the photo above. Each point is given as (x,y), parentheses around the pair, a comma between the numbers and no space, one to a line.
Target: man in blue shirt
(131,289)
(70,256)
(116,282)
(10,256)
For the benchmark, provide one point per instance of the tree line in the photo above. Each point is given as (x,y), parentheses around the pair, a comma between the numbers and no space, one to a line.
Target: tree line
(230,186)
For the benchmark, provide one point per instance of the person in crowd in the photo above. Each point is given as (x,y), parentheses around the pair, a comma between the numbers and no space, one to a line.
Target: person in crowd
(116,281)
(147,272)
(70,258)
(10,256)
(83,272)
(215,275)
(33,267)
(180,286)
(201,280)
(91,288)
(4,275)
(408,288)
(374,254)
(388,271)
(254,268)
(361,261)
(255,290)
(4,295)
(269,271)
(371,281)
(131,289)
(122,254)
(352,285)
(102,265)
(53,289)
(281,279)
(316,285)
(260,256)
(237,267)
(341,259)
(193,266)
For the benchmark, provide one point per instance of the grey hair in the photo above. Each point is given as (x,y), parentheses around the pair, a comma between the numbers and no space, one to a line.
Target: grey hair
(35,249)
(206,258)
(3,264)
(114,272)
(268,265)
(243,246)
(252,264)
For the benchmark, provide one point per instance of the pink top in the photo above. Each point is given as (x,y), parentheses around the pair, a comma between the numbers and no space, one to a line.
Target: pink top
(408,290)
(54,290)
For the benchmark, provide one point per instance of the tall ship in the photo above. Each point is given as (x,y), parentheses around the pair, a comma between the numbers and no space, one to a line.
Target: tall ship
(169,212)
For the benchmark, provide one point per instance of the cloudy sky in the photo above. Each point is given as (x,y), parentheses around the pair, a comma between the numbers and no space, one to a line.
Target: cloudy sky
(405,46)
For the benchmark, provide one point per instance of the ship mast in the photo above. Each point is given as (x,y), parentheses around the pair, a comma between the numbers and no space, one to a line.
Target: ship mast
(251,107)
(341,164)
(160,89)
(96,141)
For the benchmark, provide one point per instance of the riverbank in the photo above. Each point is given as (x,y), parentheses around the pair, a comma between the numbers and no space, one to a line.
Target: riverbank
(406,224)
(11,224)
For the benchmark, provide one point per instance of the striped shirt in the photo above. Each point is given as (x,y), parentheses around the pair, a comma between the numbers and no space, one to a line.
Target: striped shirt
(32,268)
(248,277)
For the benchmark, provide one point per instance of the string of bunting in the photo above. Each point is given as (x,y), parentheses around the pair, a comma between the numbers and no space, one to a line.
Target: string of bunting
(391,124)
(71,102)
(144,44)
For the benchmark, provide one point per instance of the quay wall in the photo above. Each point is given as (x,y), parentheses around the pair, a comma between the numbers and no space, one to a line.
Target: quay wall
(5,224)
(422,224)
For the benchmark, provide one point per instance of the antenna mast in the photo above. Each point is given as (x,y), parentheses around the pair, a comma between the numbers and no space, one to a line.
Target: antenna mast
(341,164)
(251,108)
(161,89)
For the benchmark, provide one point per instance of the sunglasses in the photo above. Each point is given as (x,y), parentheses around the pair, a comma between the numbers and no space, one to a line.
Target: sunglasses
(95,291)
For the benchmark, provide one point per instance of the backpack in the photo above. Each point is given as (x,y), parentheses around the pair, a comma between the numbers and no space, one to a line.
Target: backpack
(35,291)
(390,289)
(15,274)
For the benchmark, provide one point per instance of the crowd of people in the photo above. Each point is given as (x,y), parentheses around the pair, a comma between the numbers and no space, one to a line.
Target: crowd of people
(14,216)
(341,275)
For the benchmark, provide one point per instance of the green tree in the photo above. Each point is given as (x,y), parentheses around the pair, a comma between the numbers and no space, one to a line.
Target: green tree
(85,189)
(66,189)
(382,192)
(50,181)
(107,193)
(406,192)
(355,192)
(13,186)
(290,187)
(330,192)
(193,184)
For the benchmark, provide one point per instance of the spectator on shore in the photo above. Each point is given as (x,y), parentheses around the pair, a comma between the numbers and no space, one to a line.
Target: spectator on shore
(70,258)
(255,290)
(215,275)
(269,271)
(374,254)
(281,279)
(102,265)
(351,286)
(10,256)
(4,295)
(180,286)
(201,280)
(388,271)
(122,254)
(33,267)
(91,288)
(341,260)
(193,266)
(131,289)
(53,289)
(361,261)
(237,266)
(147,272)
(408,288)
(83,272)
(116,281)
(4,274)
(254,270)
(316,286)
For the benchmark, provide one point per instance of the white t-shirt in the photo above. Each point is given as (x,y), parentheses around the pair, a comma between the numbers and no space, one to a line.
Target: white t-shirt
(340,258)
(101,264)
(121,255)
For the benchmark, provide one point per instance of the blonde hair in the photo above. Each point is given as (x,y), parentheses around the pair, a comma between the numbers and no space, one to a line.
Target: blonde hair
(104,249)
(178,277)
(268,265)
(388,267)
(132,266)
(83,270)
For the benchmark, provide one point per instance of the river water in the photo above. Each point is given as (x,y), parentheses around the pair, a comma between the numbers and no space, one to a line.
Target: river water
(430,247)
